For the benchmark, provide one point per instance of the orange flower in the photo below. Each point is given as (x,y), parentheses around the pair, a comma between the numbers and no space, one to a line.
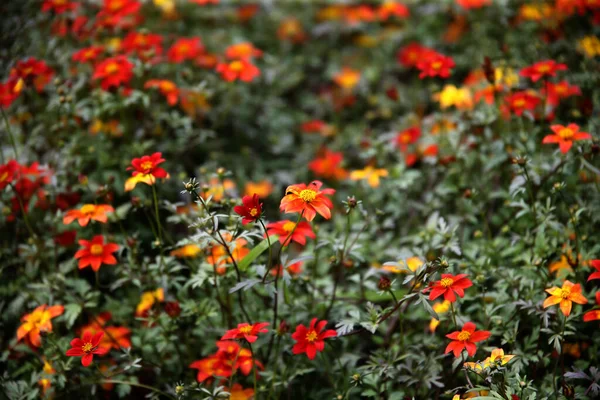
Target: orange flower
(262,188)
(95,253)
(307,199)
(146,170)
(347,78)
(88,54)
(239,69)
(370,174)
(187,251)
(327,165)
(292,269)
(566,295)
(88,212)
(242,51)
(185,49)
(237,392)
(229,357)
(291,29)
(284,228)
(593,315)
(219,256)
(392,8)
(246,331)
(38,321)
(565,136)
(166,87)
(594,275)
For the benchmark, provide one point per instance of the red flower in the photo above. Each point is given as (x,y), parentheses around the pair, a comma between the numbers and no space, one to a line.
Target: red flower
(119,13)
(251,210)
(238,69)
(114,72)
(327,165)
(292,269)
(412,53)
(8,172)
(86,347)
(229,357)
(470,4)
(310,340)
(594,275)
(542,69)
(185,49)
(146,170)
(308,199)
(520,102)
(285,227)
(144,45)
(59,6)
(87,54)
(391,8)
(33,71)
(407,137)
(95,253)
(10,91)
(593,315)
(559,91)
(166,87)
(465,339)
(246,331)
(435,64)
(565,136)
(450,284)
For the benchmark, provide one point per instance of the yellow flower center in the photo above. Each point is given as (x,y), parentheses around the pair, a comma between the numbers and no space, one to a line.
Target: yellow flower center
(288,226)
(464,336)
(446,282)
(308,195)
(253,212)
(147,165)
(88,209)
(566,133)
(87,347)
(111,68)
(406,138)
(115,5)
(246,329)
(311,336)
(236,66)
(436,65)
(96,249)
(519,103)
(3,177)
(565,293)
(543,68)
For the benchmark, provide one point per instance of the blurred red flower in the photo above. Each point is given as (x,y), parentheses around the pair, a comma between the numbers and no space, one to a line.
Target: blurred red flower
(246,331)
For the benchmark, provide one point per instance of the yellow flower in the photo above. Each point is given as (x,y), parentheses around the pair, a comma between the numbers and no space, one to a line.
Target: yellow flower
(369,173)
(452,96)
(535,12)
(506,76)
(440,307)
(148,299)
(347,78)
(589,46)
(496,358)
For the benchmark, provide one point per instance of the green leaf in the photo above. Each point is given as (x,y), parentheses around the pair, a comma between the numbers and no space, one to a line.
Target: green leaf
(72,311)
(255,252)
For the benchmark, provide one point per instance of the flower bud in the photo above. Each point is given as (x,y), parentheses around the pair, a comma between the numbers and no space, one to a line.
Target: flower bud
(384,283)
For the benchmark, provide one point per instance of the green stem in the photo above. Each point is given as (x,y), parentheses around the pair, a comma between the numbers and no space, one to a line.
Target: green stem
(10,135)
(453,315)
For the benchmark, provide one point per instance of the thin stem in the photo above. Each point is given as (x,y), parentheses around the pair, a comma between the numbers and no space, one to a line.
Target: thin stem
(269,243)
(254,368)
(453,315)
(10,135)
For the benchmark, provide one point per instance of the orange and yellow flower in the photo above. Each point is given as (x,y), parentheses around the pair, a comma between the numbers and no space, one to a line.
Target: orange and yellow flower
(145,170)
(39,320)
(564,136)
(371,174)
(87,213)
(567,295)
(148,300)
(347,78)
(95,253)
(242,70)
(166,87)
(308,200)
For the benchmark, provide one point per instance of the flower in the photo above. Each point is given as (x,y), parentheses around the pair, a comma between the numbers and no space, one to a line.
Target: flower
(292,269)
(242,51)
(144,45)
(10,91)
(589,46)
(317,126)
(452,96)
(239,69)
(565,136)
(88,54)
(450,284)
(86,347)
(391,8)
(435,64)
(312,339)
(246,331)
(307,199)
(440,307)
(407,137)
(465,339)
(522,101)
(37,321)
(471,4)
(166,87)
(412,53)
(594,275)
(327,165)
(146,170)
(291,29)
(370,174)
(251,210)
(496,358)
(32,71)
(148,299)
(593,315)
(95,253)
(566,296)
(219,256)
(229,357)
(186,251)
(185,49)
(116,337)
(559,91)
(262,188)
(542,69)
(237,392)
(284,228)
(96,212)
(59,6)
(113,72)
(347,78)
